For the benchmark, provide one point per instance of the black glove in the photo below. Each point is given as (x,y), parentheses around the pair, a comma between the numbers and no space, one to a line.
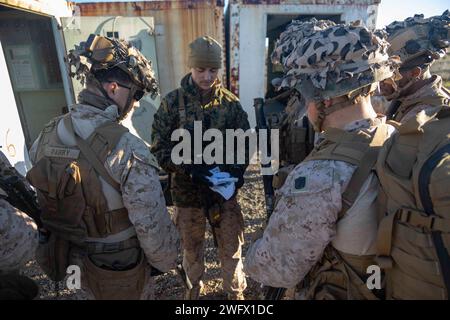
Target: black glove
(199,174)
(236,172)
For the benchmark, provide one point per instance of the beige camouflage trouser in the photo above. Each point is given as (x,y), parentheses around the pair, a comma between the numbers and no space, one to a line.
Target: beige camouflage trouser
(191,224)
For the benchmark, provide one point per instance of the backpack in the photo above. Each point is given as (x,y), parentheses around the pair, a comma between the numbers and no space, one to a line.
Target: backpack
(70,194)
(414,233)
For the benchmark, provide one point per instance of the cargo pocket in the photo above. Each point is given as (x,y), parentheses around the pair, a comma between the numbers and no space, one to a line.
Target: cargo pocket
(61,197)
(71,204)
(116,285)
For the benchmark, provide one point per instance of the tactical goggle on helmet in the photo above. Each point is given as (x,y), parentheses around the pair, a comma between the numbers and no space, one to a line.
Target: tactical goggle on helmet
(101,53)
(419,41)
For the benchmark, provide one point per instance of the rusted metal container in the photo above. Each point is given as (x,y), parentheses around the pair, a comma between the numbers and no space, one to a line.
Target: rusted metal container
(176,22)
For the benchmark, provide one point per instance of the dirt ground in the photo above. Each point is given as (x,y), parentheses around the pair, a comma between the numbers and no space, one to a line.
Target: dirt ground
(169,286)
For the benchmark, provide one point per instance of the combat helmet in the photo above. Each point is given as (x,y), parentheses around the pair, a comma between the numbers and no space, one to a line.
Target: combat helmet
(100,53)
(328,60)
(419,41)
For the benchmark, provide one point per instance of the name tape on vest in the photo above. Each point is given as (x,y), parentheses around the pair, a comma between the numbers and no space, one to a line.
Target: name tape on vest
(62,152)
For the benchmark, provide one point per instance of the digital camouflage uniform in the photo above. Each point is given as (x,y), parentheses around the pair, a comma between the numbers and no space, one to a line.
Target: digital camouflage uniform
(314,229)
(304,220)
(221,111)
(131,165)
(18,232)
(19,239)
(133,168)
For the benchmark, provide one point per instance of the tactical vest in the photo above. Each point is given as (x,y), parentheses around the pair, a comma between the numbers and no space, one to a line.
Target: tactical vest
(69,191)
(413,242)
(340,275)
(166,180)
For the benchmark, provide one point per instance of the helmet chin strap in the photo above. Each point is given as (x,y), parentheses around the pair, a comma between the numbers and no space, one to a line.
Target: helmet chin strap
(400,91)
(317,125)
(128,105)
(103,91)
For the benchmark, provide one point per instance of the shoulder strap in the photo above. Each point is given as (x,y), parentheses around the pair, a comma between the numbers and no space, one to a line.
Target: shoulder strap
(181,107)
(91,156)
(112,132)
(365,167)
(425,198)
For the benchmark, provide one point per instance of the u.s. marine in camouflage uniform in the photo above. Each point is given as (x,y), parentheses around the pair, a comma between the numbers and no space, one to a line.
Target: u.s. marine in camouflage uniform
(203,99)
(19,240)
(115,261)
(414,166)
(321,235)
(419,42)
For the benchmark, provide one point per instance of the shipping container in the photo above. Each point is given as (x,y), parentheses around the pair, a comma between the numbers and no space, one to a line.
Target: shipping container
(162,31)
(34,80)
(36,35)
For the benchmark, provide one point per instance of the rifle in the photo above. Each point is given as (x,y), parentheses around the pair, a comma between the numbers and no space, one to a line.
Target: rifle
(261,123)
(21,197)
(269,195)
(24,199)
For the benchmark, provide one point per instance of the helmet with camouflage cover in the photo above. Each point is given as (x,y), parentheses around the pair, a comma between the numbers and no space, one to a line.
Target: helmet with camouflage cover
(326,61)
(100,53)
(287,46)
(419,41)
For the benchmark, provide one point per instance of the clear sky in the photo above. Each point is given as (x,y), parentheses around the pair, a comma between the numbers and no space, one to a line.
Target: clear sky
(391,10)
(388,10)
